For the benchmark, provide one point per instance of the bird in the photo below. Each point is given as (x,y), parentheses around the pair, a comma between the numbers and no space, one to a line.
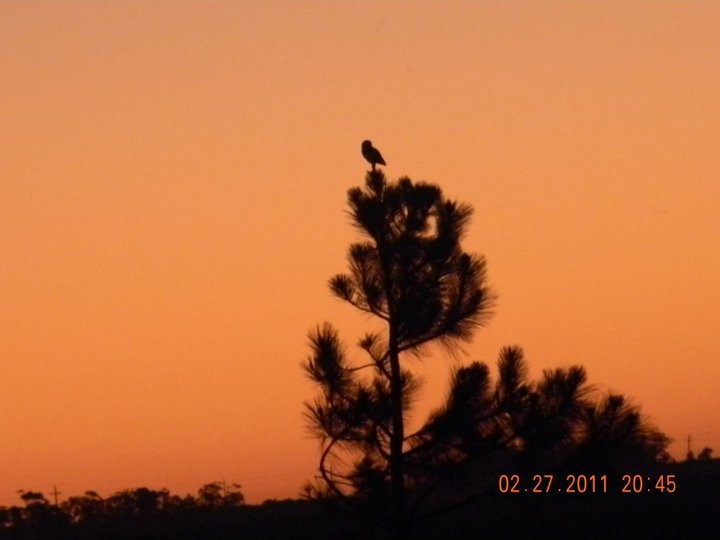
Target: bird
(372,154)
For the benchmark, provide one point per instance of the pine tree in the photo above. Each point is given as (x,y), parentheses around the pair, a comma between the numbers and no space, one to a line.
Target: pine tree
(410,272)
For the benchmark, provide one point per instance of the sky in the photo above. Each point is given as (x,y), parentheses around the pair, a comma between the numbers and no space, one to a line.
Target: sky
(173,181)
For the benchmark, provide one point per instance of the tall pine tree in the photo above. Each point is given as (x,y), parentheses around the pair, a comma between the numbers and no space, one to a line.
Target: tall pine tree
(410,272)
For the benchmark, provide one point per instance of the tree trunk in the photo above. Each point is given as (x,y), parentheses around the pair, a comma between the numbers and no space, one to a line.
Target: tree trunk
(400,525)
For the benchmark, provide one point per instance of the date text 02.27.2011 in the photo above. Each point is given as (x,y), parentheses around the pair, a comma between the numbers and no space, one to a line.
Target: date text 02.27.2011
(586,483)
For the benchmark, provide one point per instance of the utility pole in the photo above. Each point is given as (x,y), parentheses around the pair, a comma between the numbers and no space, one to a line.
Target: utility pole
(55,495)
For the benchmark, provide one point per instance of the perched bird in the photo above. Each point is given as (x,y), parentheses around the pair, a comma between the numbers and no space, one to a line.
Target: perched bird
(372,154)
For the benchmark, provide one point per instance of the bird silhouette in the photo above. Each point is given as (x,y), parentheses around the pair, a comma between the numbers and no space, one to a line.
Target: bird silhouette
(372,154)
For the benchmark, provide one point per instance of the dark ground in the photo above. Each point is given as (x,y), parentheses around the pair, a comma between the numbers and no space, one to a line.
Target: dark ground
(691,512)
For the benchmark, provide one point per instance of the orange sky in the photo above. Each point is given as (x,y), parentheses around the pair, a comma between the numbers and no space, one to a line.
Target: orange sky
(172,202)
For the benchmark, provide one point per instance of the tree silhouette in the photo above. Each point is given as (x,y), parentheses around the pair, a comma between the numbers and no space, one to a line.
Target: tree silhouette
(410,273)
(484,428)
(705,454)
(555,424)
(218,495)
(616,435)
(87,507)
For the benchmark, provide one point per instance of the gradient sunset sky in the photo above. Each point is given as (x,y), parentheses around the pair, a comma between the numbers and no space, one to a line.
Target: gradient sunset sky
(173,179)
